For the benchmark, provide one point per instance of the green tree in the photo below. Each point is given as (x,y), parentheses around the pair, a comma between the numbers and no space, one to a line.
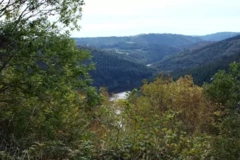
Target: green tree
(164,120)
(225,87)
(45,93)
(224,90)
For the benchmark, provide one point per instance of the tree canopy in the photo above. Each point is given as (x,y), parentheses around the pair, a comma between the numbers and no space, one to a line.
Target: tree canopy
(45,92)
(50,111)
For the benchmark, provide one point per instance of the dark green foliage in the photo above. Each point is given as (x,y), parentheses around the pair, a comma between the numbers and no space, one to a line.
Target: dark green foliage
(205,72)
(116,73)
(45,92)
(225,90)
(225,87)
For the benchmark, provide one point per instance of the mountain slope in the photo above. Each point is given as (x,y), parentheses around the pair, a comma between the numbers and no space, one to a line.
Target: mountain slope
(116,73)
(192,58)
(144,53)
(218,36)
(166,39)
(204,73)
(144,48)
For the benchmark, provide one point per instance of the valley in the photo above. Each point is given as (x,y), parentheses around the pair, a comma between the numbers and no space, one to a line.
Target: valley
(119,80)
(123,62)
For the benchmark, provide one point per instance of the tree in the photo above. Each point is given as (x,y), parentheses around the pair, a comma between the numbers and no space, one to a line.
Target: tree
(45,92)
(181,96)
(62,12)
(164,120)
(225,87)
(225,91)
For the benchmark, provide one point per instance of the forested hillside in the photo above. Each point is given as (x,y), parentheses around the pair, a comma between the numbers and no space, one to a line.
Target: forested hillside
(143,53)
(116,73)
(49,109)
(192,58)
(175,40)
(205,72)
(151,48)
(144,48)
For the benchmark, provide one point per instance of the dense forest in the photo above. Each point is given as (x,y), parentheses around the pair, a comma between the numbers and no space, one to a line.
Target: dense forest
(201,59)
(152,48)
(50,109)
(206,54)
(145,48)
(205,72)
(116,72)
(143,53)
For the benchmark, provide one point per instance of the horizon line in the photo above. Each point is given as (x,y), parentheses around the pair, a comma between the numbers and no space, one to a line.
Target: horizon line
(156,33)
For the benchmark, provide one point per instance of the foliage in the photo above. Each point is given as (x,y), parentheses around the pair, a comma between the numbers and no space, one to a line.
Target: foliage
(225,90)
(225,87)
(62,12)
(45,93)
(174,120)
(149,125)
(50,111)
(181,96)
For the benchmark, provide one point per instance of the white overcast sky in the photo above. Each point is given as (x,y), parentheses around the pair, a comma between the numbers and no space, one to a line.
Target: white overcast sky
(132,17)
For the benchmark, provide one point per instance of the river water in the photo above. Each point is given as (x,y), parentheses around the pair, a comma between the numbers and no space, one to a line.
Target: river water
(118,96)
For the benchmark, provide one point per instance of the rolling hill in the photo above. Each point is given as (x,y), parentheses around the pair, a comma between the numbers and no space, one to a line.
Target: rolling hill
(205,72)
(193,58)
(143,53)
(121,61)
(218,36)
(175,40)
(144,48)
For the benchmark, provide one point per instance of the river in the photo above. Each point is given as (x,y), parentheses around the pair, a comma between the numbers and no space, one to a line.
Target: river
(118,96)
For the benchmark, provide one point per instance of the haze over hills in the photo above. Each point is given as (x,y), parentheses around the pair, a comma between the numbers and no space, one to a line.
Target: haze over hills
(218,36)
(176,40)
(155,38)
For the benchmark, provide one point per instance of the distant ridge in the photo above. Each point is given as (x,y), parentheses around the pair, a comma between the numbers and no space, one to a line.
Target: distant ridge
(151,48)
(218,36)
(175,40)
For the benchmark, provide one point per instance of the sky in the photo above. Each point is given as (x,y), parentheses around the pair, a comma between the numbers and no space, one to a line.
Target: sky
(132,17)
